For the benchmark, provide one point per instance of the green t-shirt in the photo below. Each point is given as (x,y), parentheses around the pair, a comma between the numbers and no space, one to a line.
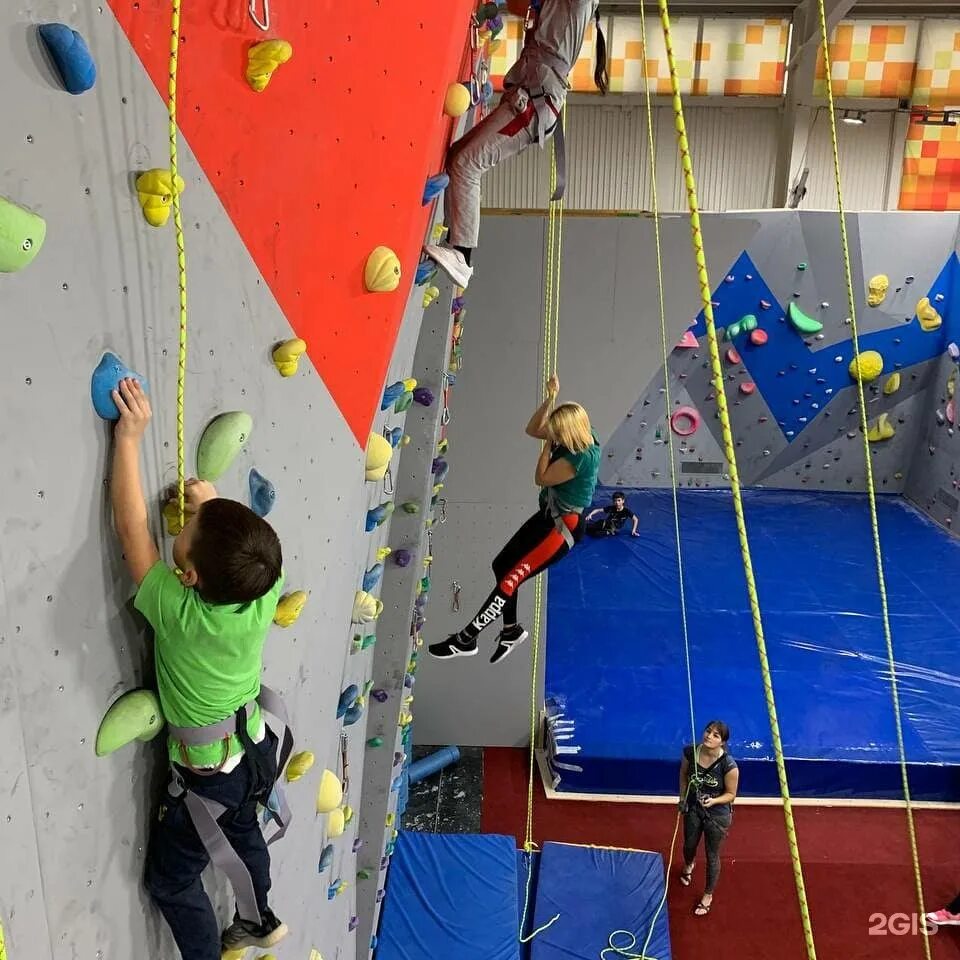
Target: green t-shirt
(577,492)
(208,656)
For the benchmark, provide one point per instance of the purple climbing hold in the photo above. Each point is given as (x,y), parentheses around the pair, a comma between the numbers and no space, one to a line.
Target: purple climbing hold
(352,925)
(357,844)
(402,557)
(457,305)
(381,696)
(423,396)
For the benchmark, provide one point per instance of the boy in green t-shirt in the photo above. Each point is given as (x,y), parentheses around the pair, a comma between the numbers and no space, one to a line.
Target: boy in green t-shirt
(210,618)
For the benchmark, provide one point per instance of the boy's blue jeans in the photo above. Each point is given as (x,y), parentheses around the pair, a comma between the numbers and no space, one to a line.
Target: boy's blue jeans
(176,857)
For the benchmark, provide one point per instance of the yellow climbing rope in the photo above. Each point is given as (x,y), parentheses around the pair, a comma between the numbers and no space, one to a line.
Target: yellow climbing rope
(551,330)
(181,255)
(724,415)
(623,950)
(871,488)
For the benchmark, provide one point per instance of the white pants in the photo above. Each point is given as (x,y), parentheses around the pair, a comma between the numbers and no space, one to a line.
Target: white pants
(508,131)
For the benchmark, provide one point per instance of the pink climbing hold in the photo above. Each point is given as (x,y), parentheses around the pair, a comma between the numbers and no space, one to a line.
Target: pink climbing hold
(747,387)
(951,412)
(758,337)
(684,421)
(688,341)
(733,356)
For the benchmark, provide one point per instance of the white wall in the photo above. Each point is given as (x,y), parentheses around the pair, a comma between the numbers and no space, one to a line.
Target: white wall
(734,154)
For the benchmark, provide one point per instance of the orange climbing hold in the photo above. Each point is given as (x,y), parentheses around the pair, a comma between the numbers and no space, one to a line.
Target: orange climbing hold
(733,356)
(747,387)
(758,337)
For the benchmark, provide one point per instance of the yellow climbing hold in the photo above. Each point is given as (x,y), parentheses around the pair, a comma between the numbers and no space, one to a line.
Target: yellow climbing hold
(928,316)
(289,608)
(287,355)
(237,954)
(366,607)
(869,367)
(892,385)
(429,295)
(456,102)
(263,58)
(171,514)
(155,192)
(3,948)
(881,429)
(410,384)
(379,453)
(347,809)
(382,272)
(439,232)
(315,954)
(383,553)
(877,289)
(335,823)
(951,385)
(299,764)
(329,793)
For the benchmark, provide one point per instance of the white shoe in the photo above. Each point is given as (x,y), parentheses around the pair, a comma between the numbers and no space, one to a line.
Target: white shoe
(451,262)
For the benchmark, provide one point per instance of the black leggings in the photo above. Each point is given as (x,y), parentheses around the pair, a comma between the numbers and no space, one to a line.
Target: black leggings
(713,826)
(533,548)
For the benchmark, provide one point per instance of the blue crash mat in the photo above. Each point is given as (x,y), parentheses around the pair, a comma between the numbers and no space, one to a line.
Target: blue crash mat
(597,891)
(451,896)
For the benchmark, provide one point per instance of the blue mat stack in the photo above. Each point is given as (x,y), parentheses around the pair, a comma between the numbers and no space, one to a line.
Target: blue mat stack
(462,896)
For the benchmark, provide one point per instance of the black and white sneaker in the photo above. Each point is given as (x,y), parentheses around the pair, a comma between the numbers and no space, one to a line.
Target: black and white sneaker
(451,261)
(453,646)
(243,933)
(509,639)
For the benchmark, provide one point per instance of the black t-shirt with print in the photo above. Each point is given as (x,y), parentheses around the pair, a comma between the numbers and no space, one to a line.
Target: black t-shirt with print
(707,781)
(619,517)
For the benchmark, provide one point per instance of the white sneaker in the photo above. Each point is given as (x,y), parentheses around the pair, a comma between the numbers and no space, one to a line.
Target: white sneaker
(451,262)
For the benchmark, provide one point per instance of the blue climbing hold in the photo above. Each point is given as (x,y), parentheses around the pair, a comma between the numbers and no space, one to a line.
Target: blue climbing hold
(426,271)
(486,92)
(440,469)
(353,714)
(396,435)
(392,393)
(326,858)
(372,577)
(106,378)
(376,515)
(434,187)
(263,495)
(70,55)
(346,699)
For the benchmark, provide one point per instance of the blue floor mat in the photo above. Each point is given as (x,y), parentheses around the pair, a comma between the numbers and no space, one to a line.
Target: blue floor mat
(615,660)
(451,896)
(596,891)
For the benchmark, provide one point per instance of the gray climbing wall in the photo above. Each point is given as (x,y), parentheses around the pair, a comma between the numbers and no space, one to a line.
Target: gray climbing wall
(610,360)
(73,828)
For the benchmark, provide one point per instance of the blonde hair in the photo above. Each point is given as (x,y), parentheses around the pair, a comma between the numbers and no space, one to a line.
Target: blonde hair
(569,425)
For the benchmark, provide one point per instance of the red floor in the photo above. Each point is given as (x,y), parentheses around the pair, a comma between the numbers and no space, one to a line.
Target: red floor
(856,863)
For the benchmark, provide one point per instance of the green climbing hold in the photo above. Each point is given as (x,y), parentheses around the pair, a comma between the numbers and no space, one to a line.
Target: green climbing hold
(363,874)
(134,716)
(221,442)
(411,506)
(801,322)
(732,331)
(801,266)
(748,323)
(375,742)
(21,236)
(403,401)
(363,643)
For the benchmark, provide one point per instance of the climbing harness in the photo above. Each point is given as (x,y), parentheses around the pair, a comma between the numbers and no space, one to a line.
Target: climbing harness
(181,254)
(204,812)
(730,453)
(871,487)
(263,24)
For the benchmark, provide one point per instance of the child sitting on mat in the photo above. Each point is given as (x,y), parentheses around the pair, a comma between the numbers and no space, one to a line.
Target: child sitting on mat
(615,516)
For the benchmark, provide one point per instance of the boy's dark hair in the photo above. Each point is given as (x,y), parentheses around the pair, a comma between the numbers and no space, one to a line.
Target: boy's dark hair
(719,727)
(236,553)
(619,496)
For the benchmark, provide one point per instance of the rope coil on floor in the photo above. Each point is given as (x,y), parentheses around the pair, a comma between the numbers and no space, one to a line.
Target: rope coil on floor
(181,254)
(871,487)
(729,450)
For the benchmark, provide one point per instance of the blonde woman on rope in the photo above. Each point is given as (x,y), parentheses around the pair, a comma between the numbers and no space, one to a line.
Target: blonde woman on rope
(567,475)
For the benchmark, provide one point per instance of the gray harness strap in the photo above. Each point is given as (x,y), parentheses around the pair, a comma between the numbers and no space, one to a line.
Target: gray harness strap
(205,813)
(554,511)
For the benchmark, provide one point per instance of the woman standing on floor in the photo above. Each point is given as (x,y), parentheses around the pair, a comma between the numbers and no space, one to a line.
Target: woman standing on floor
(708,786)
